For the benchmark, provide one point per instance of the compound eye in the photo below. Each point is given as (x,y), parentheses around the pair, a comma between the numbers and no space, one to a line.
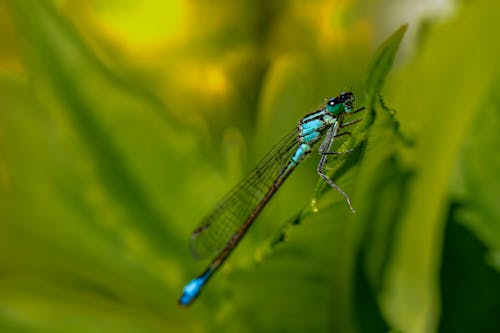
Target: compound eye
(346,96)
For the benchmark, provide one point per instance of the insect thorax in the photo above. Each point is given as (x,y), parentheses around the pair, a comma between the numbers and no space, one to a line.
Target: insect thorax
(312,126)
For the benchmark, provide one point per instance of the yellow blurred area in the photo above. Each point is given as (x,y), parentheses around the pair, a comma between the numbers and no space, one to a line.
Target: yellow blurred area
(158,40)
(8,46)
(324,17)
(142,23)
(335,27)
(216,80)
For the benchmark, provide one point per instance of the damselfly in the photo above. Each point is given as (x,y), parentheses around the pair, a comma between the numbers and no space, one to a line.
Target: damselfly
(222,230)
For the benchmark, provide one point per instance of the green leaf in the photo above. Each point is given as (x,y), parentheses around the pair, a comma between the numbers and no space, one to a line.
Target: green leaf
(439,99)
(381,65)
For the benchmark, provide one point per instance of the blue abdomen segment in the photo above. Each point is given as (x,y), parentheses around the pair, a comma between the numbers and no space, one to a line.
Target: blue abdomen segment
(301,152)
(193,288)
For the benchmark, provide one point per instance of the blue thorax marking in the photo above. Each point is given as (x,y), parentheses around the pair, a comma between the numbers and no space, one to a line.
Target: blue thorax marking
(311,127)
(311,137)
(315,115)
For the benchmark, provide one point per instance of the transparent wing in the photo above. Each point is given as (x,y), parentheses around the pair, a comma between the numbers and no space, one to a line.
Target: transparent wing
(216,229)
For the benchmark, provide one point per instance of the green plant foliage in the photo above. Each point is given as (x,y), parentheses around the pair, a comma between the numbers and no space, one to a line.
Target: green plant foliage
(123,123)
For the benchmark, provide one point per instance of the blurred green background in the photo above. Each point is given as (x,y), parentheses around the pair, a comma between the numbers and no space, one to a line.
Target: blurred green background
(123,122)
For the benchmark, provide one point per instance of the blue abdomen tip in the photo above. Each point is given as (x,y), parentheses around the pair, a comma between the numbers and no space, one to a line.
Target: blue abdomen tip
(193,289)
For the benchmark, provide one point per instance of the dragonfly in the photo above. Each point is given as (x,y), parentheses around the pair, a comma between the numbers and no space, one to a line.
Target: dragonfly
(221,231)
